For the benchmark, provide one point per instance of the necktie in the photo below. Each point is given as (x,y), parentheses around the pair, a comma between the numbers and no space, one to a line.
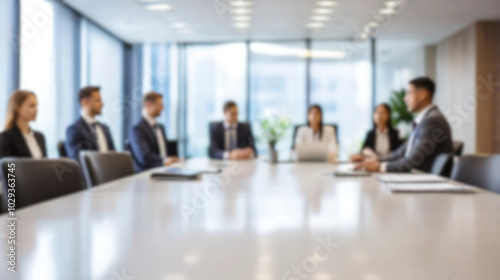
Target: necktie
(232,141)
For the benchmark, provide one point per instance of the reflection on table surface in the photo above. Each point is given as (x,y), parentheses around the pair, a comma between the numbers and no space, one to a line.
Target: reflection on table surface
(256,220)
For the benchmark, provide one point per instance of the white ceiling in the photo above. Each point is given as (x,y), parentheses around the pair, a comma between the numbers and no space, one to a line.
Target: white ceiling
(426,21)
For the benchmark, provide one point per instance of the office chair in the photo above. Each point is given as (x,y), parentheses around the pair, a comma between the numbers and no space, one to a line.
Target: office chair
(478,170)
(458,147)
(38,180)
(99,168)
(443,165)
(296,128)
(61,149)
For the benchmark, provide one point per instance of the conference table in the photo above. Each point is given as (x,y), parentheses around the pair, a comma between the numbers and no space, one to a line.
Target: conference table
(256,220)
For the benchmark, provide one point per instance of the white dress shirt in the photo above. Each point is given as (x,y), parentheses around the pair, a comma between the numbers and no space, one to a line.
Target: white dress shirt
(35,150)
(382,142)
(418,119)
(305,134)
(229,132)
(102,143)
(160,139)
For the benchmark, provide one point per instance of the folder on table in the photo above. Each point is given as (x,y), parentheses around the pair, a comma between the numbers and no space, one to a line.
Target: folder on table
(411,178)
(419,187)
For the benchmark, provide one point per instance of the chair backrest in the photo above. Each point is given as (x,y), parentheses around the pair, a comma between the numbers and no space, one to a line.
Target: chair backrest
(38,180)
(100,168)
(296,128)
(61,149)
(478,170)
(458,147)
(443,165)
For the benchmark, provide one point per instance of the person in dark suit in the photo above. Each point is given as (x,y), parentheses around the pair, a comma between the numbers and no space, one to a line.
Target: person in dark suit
(383,138)
(148,140)
(18,139)
(430,137)
(87,133)
(231,139)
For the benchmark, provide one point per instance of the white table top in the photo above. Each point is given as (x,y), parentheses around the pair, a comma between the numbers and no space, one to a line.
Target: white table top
(258,221)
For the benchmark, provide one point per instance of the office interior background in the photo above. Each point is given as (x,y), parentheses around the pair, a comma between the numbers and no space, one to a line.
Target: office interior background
(198,55)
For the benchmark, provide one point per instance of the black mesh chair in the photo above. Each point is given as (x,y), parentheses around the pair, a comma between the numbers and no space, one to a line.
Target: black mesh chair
(40,180)
(100,168)
(296,128)
(61,149)
(443,165)
(458,147)
(478,170)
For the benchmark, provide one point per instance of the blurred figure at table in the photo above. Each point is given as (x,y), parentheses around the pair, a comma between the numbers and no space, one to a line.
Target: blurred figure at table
(316,131)
(383,138)
(148,139)
(430,137)
(18,139)
(86,133)
(231,139)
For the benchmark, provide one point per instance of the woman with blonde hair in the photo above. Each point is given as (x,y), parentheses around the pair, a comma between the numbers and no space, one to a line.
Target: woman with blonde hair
(18,139)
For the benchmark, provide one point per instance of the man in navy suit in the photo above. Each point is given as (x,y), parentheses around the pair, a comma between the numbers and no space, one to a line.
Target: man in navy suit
(87,133)
(148,140)
(231,139)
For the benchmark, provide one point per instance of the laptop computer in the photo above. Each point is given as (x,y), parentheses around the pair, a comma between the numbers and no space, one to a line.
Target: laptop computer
(312,151)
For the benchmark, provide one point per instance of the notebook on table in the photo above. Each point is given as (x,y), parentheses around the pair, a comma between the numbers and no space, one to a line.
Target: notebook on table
(426,187)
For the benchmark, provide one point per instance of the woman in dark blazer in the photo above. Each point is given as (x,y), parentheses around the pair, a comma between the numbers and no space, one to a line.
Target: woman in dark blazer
(18,139)
(383,138)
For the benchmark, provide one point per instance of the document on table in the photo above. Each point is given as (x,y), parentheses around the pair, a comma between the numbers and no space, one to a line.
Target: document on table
(440,187)
(411,178)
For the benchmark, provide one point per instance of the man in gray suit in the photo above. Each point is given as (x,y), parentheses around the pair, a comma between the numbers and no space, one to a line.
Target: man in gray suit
(430,137)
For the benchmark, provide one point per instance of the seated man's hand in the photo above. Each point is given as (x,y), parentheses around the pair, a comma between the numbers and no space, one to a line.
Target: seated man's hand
(247,152)
(357,158)
(235,154)
(170,160)
(372,166)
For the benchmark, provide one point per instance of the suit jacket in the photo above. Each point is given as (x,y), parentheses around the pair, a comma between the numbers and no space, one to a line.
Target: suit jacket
(144,146)
(244,138)
(371,139)
(12,143)
(79,137)
(431,137)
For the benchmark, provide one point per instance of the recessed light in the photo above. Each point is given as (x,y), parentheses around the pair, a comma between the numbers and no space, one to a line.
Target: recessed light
(326,3)
(179,25)
(242,18)
(391,3)
(241,25)
(158,7)
(386,11)
(315,25)
(241,11)
(241,3)
(323,11)
(320,18)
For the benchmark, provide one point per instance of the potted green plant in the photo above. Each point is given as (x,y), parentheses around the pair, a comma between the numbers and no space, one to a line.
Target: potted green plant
(401,118)
(274,128)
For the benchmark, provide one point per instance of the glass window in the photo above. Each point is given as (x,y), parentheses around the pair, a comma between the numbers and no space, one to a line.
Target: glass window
(160,74)
(103,65)
(341,84)
(215,73)
(277,85)
(8,50)
(37,65)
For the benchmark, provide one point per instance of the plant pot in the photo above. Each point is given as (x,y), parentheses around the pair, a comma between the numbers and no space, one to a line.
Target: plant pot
(273,154)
